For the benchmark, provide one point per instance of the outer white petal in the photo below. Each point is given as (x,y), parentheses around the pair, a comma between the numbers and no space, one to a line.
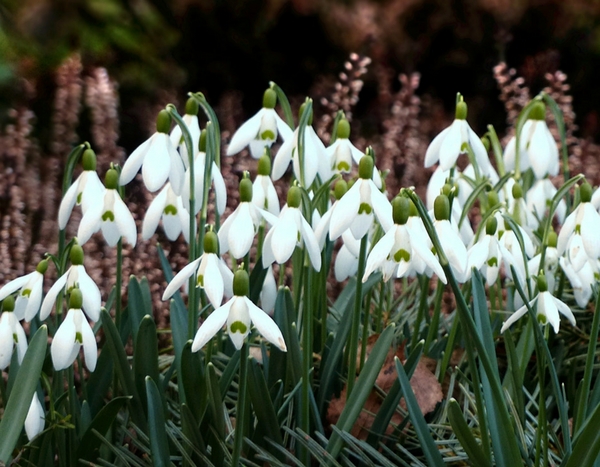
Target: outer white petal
(539,151)
(283,157)
(157,163)
(35,298)
(322,228)
(213,280)
(453,246)
(576,252)
(241,231)
(570,273)
(451,147)
(90,348)
(220,189)
(50,298)
(227,276)
(211,326)
(515,316)
(420,247)
(34,422)
(246,133)
(64,348)
(181,278)
(481,154)
(566,231)
(564,310)
(346,264)
(177,169)
(124,221)
(6,340)
(134,162)
(547,307)
(590,228)
(433,150)
(90,223)
(345,212)
(479,253)
(382,207)
(268,258)
(14,285)
(265,325)
(310,242)
(92,300)
(268,293)
(283,128)
(154,213)
(92,190)
(67,204)
(285,236)
(21,343)
(380,252)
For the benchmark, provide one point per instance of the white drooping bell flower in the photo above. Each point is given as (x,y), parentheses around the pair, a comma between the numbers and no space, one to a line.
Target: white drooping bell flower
(190,118)
(30,289)
(109,214)
(264,195)
(451,243)
(158,159)
(538,199)
(537,147)
(73,333)
(168,207)
(322,225)
(261,130)
(84,191)
(35,420)
(239,314)
(11,334)
(454,141)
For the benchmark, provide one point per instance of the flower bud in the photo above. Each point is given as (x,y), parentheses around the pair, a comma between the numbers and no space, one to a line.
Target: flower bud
(343,129)
(191,106)
(491,226)
(400,210)
(538,111)
(264,164)
(245,190)
(269,99)
(441,208)
(365,167)
(163,122)
(241,283)
(461,111)
(76,255)
(88,160)
(585,192)
(552,239)
(42,266)
(517,191)
(111,179)
(542,283)
(211,242)
(492,198)
(76,299)
(294,197)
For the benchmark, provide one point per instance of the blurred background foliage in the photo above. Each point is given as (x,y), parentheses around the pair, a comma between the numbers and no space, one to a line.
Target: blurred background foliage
(156,49)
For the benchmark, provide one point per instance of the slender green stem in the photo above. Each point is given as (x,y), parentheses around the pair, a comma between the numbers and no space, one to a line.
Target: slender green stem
(307,360)
(421,311)
(383,286)
(118,283)
(240,421)
(353,341)
(435,320)
(365,329)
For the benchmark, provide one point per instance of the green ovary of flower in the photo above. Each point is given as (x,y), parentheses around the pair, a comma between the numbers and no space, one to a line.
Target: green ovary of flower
(170,209)
(108,216)
(492,262)
(402,255)
(267,135)
(238,326)
(364,208)
(78,337)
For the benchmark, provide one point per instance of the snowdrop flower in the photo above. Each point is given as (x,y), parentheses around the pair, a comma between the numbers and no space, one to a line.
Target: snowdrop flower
(158,159)
(168,207)
(539,198)
(190,118)
(355,209)
(583,280)
(73,333)
(551,262)
(393,254)
(261,130)
(199,172)
(212,274)
(35,420)
(109,214)
(290,230)
(453,141)
(510,242)
(314,160)
(579,234)
(11,334)
(237,232)
(453,247)
(76,276)
(547,308)
(264,195)
(537,148)
(85,191)
(30,295)
(322,225)
(268,292)
(346,261)
(239,313)
(517,207)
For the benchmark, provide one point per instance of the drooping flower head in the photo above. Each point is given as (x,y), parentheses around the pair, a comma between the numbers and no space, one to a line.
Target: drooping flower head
(190,118)
(453,247)
(239,314)
(168,207)
(11,334)
(264,195)
(30,294)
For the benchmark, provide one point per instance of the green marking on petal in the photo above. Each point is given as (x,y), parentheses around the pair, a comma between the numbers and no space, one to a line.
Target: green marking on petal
(463,147)
(492,262)
(578,229)
(541,318)
(402,255)
(343,165)
(267,135)
(15,338)
(170,209)
(78,337)
(238,326)
(365,208)
(26,293)
(200,280)
(79,196)
(108,216)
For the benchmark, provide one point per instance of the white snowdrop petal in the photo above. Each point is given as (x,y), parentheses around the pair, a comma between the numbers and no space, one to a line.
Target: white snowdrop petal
(211,326)
(14,285)
(34,422)
(213,281)
(63,343)
(157,163)
(345,212)
(67,204)
(241,232)
(265,325)
(124,221)
(181,278)
(90,348)
(244,134)
(154,214)
(134,162)
(451,147)
(432,155)
(50,298)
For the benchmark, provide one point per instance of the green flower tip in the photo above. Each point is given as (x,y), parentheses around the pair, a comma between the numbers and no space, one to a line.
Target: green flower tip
(343,129)
(365,167)
(400,210)
(552,239)
(542,283)
(491,226)
(492,198)
(301,113)
(202,141)
(241,283)
(461,110)
(245,190)
(294,197)
(585,192)
(517,190)
(340,189)
(538,111)
(76,299)
(264,164)
(42,266)
(269,99)
(88,160)
(211,242)
(441,208)
(8,304)
(76,255)
(191,106)
(163,121)
(111,179)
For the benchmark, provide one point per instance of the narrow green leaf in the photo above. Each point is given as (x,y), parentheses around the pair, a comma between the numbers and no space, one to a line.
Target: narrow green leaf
(99,382)
(145,356)
(430,449)
(159,443)
(136,306)
(193,377)
(465,436)
(215,401)
(90,443)
(362,389)
(262,403)
(284,315)
(284,103)
(19,401)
